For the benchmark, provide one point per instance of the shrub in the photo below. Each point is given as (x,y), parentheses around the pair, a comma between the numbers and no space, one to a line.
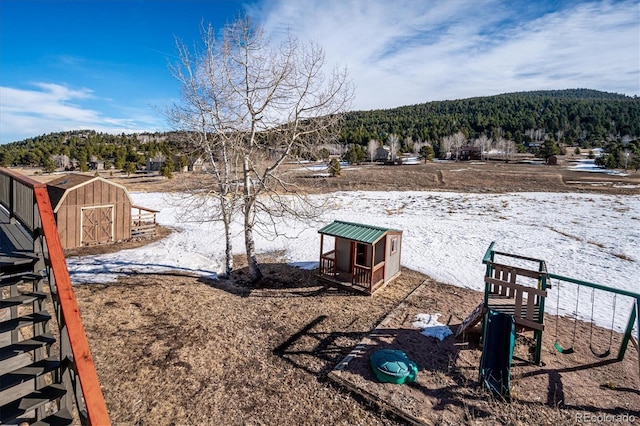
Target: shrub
(334,167)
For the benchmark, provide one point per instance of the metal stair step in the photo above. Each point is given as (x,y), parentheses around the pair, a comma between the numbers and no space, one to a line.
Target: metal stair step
(18,354)
(59,418)
(31,401)
(22,299)
(18,383)
(23,321)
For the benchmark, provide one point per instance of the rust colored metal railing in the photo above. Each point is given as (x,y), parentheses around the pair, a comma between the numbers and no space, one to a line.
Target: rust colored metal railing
(27,201)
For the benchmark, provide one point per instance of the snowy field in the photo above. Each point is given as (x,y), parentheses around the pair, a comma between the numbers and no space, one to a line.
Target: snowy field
(586,236)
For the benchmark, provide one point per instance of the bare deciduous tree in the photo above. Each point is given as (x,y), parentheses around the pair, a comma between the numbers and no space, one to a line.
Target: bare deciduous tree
(248,105)
(417,146)
(372,149)
(484,142)
(407,144)
(458,140)
(506,148)
(626,157)
(394,145)
(445,146)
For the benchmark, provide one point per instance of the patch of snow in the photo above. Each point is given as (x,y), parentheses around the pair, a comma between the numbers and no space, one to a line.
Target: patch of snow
(591,237)
(590,166)
(305,265)
(431,327)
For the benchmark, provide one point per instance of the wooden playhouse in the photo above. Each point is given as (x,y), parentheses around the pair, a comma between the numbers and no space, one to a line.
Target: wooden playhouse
(362,257)
(92,210)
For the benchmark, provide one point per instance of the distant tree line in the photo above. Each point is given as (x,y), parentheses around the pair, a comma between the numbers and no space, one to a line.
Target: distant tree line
(540,122)
(576,117)
(123,152)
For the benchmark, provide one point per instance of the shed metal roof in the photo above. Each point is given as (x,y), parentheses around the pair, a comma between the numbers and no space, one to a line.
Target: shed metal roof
(368,234)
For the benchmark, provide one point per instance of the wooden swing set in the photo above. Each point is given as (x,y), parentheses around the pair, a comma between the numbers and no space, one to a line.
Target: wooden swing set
(521,292)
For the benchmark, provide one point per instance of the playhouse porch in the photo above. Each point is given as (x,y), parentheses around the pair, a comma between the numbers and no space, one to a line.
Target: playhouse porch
(360,277)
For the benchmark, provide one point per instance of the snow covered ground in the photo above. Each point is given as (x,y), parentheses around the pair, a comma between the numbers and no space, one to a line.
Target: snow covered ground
(586,236)
(589,165)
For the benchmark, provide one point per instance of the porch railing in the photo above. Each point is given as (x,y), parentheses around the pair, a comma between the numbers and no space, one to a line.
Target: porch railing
(367,277)
(28,202)
(143,222)
(17,196)
(328,263)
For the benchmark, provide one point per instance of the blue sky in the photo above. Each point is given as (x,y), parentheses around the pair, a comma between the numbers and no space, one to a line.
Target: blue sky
(103,65)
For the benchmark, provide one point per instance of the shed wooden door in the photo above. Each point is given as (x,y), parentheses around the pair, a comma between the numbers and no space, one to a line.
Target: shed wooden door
(97,225)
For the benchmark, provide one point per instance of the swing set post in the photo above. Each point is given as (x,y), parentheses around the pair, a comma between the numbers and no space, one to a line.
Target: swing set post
(542,284)
(488,259)
(629,329)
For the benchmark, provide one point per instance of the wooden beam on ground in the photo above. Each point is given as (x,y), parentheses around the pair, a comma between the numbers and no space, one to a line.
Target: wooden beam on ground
(358,351)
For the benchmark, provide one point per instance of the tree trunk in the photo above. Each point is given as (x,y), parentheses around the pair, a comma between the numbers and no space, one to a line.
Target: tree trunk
(249,220)
(252,261)
(227,235)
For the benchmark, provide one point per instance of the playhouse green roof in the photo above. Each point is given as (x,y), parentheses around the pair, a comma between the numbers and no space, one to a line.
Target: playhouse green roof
(355,231)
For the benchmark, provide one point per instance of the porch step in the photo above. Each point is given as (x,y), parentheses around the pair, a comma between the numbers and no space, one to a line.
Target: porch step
(31,401)
(59,418)
(20,278)
(18,354)
(22,382)
(16,263)
(26,346)
(23,321)
(22,299)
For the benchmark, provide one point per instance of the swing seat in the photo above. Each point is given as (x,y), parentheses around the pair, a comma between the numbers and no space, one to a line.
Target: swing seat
(562,350)
(605,354)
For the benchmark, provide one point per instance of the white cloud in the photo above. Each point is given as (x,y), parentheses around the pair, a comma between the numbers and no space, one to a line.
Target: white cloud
(408,52)
(55,107)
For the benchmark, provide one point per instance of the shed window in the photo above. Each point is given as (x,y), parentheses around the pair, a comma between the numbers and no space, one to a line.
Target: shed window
(394,245)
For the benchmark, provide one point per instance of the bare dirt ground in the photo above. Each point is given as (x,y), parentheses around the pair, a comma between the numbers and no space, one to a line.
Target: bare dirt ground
(181,350)
(175,349)
(490,177)
(564,388)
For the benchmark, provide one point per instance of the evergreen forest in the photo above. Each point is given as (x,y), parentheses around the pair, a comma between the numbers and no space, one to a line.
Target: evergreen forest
(541,122)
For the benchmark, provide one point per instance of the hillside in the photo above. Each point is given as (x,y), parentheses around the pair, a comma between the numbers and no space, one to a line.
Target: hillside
(573,117)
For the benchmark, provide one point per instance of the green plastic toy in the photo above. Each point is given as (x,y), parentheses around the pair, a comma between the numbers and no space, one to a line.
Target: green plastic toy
(393,366)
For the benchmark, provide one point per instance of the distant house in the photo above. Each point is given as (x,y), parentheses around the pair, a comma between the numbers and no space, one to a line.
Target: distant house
(155,164)
(197,164)
(95,164)
(467,153)
(383,153)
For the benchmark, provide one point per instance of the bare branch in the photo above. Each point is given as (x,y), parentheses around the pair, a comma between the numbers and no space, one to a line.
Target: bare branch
(247,107)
